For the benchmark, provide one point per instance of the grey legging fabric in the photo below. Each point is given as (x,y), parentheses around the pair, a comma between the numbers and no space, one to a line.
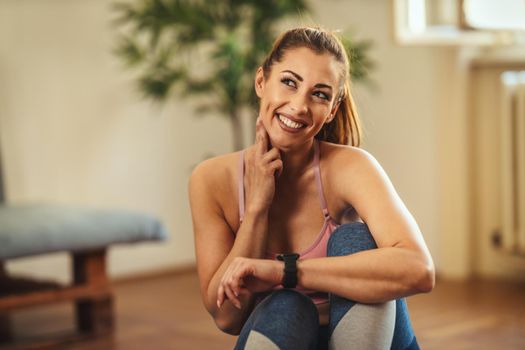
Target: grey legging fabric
(287,319)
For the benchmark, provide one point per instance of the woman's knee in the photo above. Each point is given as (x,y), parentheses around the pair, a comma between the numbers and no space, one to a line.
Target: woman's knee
(283,300)
(284,319)
(349,239)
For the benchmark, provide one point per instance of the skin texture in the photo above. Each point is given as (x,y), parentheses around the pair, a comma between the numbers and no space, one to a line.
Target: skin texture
(282,205)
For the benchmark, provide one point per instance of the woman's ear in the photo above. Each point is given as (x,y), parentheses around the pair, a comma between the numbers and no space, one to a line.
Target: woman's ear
(259,82)
(333,111)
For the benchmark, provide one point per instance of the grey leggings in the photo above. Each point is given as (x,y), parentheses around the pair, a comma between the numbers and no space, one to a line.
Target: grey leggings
(287,319)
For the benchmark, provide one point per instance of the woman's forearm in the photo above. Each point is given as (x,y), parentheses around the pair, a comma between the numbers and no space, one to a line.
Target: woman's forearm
(370,276)
(250,242)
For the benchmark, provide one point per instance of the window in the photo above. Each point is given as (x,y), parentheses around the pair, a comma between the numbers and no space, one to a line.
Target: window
(494,15)
(460,22)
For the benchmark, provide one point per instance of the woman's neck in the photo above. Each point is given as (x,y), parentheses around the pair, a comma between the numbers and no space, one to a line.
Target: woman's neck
(296,161)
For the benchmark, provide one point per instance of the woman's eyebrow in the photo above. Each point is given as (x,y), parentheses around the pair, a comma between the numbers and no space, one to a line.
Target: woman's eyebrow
(300,78)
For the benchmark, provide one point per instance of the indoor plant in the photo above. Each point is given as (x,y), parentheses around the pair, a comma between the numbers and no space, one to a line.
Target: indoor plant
(163,39)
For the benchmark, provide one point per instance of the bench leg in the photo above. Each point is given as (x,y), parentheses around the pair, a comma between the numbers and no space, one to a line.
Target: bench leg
(5,328)
(5,323)
(95,315)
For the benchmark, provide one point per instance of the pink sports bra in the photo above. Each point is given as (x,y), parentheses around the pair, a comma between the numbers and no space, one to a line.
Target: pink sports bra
(318,248)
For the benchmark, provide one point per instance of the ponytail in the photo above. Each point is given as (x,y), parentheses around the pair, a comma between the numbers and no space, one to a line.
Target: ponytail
(345,128)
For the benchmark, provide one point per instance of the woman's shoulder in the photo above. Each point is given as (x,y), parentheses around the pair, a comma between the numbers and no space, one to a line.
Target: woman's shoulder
(344,156)
(216,169)
(353,171)
(350,166)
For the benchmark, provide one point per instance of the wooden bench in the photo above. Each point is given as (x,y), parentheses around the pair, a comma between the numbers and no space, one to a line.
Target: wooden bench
(86,234)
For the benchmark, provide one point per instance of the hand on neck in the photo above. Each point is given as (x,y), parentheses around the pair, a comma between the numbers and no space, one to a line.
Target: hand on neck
(296,161)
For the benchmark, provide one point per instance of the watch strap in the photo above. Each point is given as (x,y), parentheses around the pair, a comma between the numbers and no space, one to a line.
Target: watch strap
(290,269)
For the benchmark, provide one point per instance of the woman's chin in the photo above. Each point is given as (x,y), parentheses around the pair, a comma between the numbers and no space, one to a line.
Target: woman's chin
(284,140)
(278,142)
(284,143)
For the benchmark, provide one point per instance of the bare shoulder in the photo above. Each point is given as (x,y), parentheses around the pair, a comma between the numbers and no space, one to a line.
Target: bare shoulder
(212,185)
(345,157)
(361,181)
(357,178)
(355,171)
(215,171)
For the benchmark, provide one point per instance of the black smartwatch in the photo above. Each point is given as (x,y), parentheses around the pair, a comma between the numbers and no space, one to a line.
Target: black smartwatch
(290,269)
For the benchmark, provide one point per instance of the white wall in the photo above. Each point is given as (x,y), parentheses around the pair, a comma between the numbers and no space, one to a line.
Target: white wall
(74,131)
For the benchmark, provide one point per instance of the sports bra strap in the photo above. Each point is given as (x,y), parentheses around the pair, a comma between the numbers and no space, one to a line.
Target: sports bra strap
(318,181)
(240,185)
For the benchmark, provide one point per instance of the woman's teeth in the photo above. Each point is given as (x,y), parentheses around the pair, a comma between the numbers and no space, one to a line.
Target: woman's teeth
(289,123)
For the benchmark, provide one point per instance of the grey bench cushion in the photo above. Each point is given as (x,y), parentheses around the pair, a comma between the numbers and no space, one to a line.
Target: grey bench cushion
(33,229)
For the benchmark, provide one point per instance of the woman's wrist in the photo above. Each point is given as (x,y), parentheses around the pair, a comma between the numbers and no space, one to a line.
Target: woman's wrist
(257,212)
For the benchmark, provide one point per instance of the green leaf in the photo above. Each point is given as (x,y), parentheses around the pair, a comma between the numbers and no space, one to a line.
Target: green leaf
(130,51)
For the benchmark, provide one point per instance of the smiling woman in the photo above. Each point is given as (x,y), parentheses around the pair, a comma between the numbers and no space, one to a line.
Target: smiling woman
(318,250)
(290,89)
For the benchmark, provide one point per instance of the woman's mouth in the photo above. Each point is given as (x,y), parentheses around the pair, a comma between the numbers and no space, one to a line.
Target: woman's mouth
(288,124)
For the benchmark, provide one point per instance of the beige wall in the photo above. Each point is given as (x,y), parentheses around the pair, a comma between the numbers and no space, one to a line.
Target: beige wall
(400,116)
(74,131)
(488,175)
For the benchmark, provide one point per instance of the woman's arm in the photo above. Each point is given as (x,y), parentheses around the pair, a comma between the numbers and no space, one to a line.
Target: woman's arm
(401,265)
(216,247)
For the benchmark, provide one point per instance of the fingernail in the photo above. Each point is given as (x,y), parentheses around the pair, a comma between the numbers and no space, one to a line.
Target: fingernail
(238,305)
(236,294)
(218,304)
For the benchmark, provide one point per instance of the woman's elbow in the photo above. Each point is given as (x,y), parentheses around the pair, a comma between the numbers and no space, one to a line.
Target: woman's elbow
(223,322)
(227,326)
(223,319)
(427,278)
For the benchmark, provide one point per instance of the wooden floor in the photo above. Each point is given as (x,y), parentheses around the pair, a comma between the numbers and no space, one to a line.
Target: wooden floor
(166,313)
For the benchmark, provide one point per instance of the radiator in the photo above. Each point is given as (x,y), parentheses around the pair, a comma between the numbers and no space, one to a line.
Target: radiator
(513,161)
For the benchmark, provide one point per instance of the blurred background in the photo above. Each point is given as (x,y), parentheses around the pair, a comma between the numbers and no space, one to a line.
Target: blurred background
(437,109)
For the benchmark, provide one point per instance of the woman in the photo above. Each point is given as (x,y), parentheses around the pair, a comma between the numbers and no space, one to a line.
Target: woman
(301,189)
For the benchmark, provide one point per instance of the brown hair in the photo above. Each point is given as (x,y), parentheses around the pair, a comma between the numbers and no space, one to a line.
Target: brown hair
(345,128)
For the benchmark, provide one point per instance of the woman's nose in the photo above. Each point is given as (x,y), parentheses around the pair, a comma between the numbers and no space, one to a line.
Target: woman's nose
(299,103)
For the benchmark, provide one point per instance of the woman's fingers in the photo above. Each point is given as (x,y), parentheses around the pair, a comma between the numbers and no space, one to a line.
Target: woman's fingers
(262,141)
(223,290)
(230,285)
(220,296)
(232,297)
(259,176)
(258,145)
(262,138)
(257,126)
(271,155)
(277,166)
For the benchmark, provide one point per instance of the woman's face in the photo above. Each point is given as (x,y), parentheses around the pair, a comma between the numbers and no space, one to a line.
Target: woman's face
(298,96)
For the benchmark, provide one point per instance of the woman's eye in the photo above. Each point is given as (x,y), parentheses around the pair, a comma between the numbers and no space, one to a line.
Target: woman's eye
(289,82)
(322,95)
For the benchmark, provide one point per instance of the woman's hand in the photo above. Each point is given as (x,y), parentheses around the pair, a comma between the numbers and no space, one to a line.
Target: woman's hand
(261,169)
(246,275)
